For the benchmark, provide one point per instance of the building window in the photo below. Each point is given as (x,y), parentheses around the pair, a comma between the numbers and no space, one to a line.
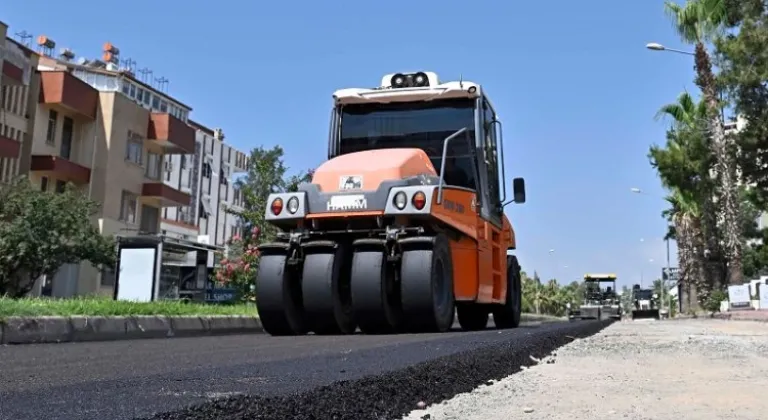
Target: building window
(44,183)
(128,205)
(155,102)
(50,136)
(163,106)
(134,151)
(132,93)
(140,94)
(207,170)
(67,132)
(147,97)
(154,165)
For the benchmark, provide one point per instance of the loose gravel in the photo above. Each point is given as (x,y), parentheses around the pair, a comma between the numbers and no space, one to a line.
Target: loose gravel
(394,394)
(692,369)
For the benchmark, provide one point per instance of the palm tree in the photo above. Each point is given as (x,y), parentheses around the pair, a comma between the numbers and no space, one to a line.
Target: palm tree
(698,22)
(686,217)
(685,163)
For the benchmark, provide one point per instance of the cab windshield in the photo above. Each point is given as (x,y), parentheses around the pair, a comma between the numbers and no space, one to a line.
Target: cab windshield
(423,125)
(644,294)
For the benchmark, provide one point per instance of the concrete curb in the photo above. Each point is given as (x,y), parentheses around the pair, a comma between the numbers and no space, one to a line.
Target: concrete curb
(30,330)
(57,329)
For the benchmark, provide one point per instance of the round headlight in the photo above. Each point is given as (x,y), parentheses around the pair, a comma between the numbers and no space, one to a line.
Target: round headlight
(293,205)
(400,200)
(277,206)
(419,200)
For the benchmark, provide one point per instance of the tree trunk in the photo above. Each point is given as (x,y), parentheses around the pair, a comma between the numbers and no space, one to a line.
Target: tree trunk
(725,167)
(712,261)
(684,255)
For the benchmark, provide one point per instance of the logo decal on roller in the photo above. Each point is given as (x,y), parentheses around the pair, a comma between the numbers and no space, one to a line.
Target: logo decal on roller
(350,182)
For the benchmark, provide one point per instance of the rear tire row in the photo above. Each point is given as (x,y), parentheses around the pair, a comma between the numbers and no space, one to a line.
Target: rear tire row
(339,289)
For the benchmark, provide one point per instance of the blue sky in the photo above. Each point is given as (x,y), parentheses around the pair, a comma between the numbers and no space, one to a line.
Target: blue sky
(572,81)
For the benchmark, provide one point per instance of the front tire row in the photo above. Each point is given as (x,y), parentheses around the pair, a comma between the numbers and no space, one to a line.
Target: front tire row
(340,288)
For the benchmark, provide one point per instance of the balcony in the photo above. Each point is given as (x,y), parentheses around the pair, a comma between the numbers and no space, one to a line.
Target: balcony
(161,195)
(173,135)
(61,89)
(12,75)
(60,168)
(9,148)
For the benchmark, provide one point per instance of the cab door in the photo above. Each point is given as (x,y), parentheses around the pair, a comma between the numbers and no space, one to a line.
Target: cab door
(492,253)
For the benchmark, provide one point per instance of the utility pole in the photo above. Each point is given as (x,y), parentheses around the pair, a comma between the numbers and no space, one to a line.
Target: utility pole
(663,284)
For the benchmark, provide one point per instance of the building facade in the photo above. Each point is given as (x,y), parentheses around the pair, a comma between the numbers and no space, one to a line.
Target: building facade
(108,134)
(209,177)
(16,89)
(125,144)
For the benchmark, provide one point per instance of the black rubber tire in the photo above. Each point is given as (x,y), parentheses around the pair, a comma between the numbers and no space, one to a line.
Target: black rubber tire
(278,297)
(472,317)
(508,315)
(375,296)
(426,287)
(326,291)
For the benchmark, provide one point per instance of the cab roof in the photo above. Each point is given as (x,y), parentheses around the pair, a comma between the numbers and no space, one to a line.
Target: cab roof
(387,93)
(600,276)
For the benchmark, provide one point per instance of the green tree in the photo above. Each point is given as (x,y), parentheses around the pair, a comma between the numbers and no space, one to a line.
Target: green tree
(743,62)
(686,216)
(266,174)
(684,164)
(41,231)
(699,22)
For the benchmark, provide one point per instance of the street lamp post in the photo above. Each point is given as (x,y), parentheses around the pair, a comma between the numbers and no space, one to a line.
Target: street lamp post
(668,304)
(658,47)
(654,46)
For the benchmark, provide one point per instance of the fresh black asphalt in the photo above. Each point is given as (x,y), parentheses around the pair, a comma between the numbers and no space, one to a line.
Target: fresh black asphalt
(129,379)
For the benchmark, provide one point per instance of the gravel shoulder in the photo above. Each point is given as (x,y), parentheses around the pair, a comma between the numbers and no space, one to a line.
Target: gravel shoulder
(692,369)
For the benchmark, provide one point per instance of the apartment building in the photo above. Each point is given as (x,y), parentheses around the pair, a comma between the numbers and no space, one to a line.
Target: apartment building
(109,134)
(208,176)
(16,89)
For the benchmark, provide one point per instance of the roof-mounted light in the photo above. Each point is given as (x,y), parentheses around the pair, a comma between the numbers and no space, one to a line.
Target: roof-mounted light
(409,80)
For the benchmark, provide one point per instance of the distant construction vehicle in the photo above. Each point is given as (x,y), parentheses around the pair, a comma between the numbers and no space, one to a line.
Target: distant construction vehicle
(645,303)
(403,227)
(600,300)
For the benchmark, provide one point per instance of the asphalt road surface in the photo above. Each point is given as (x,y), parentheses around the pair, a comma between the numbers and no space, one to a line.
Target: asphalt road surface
(129,379)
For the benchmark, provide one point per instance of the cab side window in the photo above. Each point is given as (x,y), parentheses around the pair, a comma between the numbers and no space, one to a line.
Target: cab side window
(490,153)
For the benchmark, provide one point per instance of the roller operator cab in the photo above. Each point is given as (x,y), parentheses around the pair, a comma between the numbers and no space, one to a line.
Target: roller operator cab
(403,227)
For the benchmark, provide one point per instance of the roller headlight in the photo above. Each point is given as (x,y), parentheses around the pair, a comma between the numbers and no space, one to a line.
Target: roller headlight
(293,205)
(277,206)
(400,200)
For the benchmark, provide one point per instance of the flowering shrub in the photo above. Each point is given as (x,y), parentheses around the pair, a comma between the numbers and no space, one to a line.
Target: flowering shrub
(237,269)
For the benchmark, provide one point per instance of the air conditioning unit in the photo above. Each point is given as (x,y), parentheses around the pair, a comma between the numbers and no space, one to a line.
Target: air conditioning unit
(218,134)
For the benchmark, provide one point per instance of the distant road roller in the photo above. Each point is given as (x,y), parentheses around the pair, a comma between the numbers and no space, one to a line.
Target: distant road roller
(403,227)
(646,303)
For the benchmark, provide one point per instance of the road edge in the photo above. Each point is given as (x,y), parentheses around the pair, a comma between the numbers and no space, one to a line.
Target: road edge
(59,329)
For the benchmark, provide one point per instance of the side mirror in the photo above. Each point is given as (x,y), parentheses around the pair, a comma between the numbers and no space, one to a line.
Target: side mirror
(518,190)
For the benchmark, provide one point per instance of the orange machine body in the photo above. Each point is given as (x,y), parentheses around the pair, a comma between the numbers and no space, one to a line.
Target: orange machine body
(478,249)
